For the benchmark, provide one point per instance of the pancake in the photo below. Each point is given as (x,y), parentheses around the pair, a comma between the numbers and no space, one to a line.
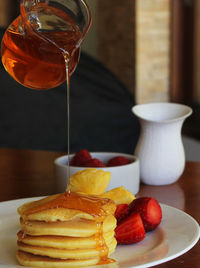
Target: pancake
(66,253)
(27,259)
(73,228)
(63,242)
(58,214)
(62,213)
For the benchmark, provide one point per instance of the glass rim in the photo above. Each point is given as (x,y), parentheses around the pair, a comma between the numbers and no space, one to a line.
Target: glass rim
(84,3)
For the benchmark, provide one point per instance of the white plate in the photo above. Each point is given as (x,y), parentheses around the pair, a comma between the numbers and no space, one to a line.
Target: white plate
(177,233)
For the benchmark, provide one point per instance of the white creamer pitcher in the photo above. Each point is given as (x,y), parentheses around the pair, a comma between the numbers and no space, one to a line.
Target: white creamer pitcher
(160,149)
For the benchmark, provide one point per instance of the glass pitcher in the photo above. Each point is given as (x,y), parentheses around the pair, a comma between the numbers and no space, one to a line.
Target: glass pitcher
(34,45)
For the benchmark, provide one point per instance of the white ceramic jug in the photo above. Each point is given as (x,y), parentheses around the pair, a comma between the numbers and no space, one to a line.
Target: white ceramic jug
(160,148)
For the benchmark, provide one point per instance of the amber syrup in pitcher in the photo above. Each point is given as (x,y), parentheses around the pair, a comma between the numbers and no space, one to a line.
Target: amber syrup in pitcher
(35,58)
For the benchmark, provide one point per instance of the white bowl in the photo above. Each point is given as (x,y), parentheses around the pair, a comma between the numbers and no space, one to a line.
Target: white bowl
(126,175)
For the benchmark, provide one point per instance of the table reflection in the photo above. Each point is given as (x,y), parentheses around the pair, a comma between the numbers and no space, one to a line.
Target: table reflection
(172,195)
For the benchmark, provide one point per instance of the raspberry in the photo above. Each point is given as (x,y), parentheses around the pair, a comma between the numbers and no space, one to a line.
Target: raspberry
(118,161)
(80,158)
(94,162)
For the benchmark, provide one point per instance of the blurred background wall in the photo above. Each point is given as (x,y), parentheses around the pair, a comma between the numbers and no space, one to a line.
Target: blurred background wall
(153,47)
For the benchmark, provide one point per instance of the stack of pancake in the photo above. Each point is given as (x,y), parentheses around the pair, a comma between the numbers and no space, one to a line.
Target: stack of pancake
(66,230)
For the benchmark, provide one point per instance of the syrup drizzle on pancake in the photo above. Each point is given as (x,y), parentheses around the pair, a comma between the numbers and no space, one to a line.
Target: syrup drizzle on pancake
(89,204)
(21,235)
(101,245)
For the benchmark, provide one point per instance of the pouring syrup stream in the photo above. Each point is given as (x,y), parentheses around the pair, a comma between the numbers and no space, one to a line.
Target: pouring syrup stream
(68,111)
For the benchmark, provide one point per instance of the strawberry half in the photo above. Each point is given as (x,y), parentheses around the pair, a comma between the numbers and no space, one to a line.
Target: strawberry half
(150,211)
(80,158)
(121,211)
(118,161)
(130,229)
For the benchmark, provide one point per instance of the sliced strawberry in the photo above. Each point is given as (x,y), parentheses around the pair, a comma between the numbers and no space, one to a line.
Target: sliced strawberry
(130,229)
(94,162)
(121,211)
(118,161)
(149,210)
(80,158)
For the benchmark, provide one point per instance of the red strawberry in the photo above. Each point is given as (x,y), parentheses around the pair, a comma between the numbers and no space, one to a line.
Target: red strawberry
(118,161)
(121,211)
(130,229)
(94,162)
(149,210)
(80,158)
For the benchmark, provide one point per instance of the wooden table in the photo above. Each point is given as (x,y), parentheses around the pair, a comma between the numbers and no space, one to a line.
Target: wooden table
(26,173)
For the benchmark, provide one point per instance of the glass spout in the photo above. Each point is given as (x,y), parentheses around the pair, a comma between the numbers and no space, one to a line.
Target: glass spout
(69,16)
